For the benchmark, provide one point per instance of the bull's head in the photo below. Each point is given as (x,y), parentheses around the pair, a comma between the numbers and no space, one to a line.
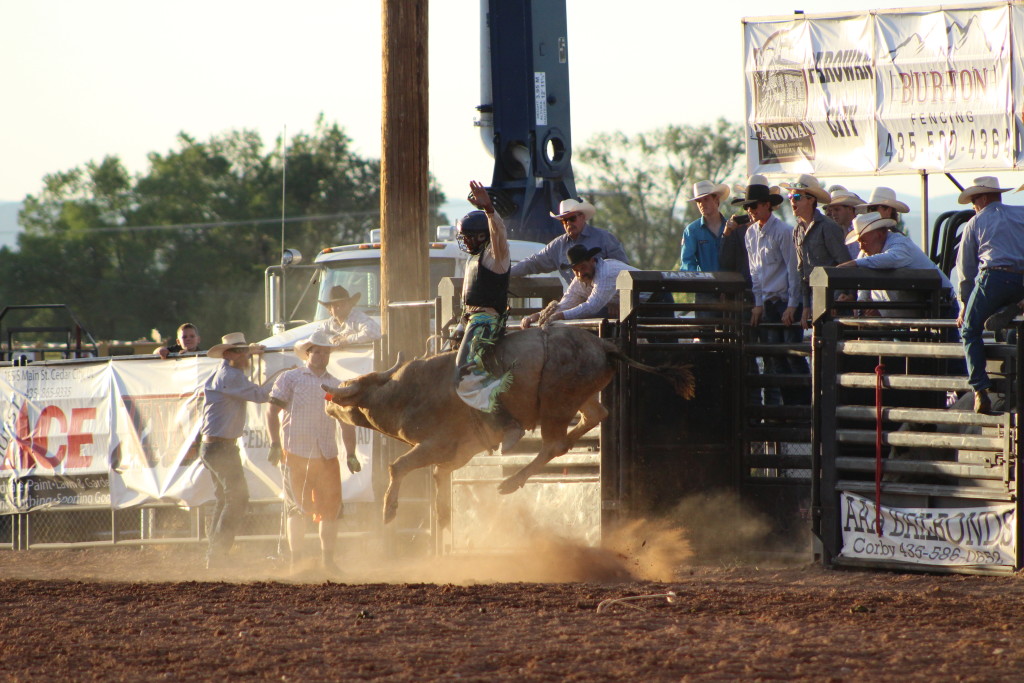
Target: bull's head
(354,391)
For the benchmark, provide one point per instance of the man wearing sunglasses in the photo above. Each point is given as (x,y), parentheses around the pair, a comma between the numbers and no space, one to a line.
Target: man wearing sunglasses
(818,239)
(575,215)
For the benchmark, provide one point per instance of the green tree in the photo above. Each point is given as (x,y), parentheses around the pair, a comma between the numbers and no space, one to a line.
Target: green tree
(189,238)
(641,184)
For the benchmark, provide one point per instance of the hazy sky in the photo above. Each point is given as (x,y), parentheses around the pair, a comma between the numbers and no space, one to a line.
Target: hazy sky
(82,80)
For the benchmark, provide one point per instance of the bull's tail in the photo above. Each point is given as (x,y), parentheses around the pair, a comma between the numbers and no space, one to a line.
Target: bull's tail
(681,376)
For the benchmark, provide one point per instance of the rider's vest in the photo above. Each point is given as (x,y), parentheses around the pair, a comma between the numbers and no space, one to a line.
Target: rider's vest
(483,287)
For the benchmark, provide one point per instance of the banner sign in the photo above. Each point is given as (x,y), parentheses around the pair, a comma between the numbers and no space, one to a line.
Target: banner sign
(944,87)
(810,96)
(126,432)
(885,92)
(56,419)
(951,537)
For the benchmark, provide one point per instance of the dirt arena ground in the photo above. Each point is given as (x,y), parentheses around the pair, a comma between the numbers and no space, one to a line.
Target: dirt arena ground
(553,612)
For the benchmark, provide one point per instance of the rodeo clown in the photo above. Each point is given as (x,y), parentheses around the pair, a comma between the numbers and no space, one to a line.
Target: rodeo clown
(485,310)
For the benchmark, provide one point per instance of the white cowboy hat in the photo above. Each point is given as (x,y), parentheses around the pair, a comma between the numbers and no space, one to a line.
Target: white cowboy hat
(885,196)
(808,184)
(568,206)
(983,185)
(843,197)
(703,188)
(865,223)
(234,340)
(318,338)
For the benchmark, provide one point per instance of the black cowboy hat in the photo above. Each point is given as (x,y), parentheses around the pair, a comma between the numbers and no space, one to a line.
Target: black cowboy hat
(579,253)
(758,193)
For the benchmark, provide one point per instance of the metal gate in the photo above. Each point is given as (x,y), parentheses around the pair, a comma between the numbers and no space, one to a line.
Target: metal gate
(725,439)
(902,480)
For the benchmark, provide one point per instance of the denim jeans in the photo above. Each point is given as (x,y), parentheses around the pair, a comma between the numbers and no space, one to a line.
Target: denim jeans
(993,289)
(232,493)
(783,365)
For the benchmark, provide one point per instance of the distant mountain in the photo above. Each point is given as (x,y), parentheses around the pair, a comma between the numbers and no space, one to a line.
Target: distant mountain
(9,227)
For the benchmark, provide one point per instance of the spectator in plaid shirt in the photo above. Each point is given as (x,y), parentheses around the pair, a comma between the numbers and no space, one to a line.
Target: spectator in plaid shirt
(305,441)
(592,293)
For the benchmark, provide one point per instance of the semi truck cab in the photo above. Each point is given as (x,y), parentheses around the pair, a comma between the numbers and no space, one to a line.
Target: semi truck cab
(356,267)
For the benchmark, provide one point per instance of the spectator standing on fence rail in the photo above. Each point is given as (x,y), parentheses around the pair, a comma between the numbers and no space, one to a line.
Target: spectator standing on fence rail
(882,248)
(991,273)
(575,215)
(347,324)
(226,394)
(819,240)
(842,209)
(306,444)
(776,284)
(702,237)
(187,341)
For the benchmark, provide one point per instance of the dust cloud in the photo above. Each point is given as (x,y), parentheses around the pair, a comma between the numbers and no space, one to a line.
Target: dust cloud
(704,530)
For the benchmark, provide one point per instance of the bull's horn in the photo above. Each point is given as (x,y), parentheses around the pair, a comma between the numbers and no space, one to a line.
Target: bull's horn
(398,362)
(341,392)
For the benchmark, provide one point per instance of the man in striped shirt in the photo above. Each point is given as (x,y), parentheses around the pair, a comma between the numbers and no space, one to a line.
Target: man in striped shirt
(771,251)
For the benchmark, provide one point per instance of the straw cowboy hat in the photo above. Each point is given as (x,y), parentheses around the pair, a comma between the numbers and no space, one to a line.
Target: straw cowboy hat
(808,184)
(234,340)
(579,253)
(758,191)
(865,223)
(843,197)
(704,188)
(568,206)
(318,338)
(983,185)
(885,196)
(339,294)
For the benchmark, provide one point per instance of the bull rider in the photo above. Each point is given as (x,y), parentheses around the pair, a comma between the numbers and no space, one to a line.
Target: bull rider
(482,235)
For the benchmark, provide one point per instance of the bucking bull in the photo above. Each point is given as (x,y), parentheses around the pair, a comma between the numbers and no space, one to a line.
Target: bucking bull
(556,373)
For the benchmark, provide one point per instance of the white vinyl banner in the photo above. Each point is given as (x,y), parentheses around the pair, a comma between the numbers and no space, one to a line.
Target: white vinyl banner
(56,419)
(888,92)
(944,90)
(136,422)
(977,536)
(1017,96)
(158,418)
(810,96)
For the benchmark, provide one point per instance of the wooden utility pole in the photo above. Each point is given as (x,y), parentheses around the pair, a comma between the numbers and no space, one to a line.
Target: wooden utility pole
(404,168)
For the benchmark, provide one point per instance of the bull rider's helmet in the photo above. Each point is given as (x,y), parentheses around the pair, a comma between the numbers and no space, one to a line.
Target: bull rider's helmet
(473,232)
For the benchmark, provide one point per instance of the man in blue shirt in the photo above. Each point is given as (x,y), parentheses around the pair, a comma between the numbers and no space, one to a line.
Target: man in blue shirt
(701,238)
(226,394)
(991,270)
(575,215)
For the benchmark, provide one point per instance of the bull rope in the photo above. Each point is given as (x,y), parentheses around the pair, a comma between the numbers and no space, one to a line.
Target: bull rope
(879,377)
(671,597)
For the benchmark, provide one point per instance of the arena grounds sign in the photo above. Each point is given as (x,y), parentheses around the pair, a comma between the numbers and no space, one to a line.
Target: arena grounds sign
(949,537)
(890,91)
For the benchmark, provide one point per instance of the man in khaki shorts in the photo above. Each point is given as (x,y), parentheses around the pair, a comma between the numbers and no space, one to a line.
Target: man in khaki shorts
(306,442)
